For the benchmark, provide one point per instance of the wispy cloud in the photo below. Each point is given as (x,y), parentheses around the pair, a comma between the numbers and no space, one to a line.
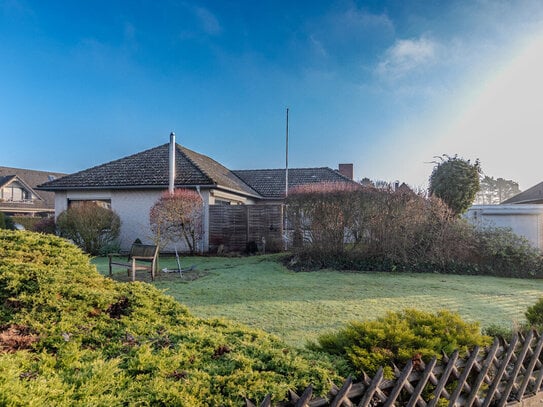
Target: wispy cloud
(346,31)
(208,20)
(406,56)
(317,46)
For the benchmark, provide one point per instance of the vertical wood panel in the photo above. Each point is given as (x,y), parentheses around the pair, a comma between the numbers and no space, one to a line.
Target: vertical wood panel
(234,226)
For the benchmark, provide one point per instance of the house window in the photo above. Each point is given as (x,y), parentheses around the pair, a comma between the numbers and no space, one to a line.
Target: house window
(222,202)
(104,203)
(14,193)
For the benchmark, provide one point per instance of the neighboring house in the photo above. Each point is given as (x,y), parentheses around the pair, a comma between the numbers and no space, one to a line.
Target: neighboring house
(523,213)
(131,185)
(533,195)
(524,220)
(18,195)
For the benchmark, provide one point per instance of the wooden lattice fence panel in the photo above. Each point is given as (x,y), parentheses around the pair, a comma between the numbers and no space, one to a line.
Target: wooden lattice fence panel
(502,374)
(265,226)
(234,226)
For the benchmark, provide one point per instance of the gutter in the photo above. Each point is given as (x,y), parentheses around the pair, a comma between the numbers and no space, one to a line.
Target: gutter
(511,209)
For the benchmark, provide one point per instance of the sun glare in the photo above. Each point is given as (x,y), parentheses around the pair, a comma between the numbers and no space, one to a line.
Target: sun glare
(503,124)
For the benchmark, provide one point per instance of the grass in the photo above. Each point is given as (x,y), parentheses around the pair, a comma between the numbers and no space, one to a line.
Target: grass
(298,307)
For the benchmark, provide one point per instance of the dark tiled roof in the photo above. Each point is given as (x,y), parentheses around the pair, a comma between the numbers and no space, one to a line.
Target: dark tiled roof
(6,179)
(149,169)
(271,183)
(32,179)
(533,195)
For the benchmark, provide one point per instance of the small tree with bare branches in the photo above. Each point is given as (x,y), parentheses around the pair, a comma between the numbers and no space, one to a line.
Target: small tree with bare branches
(177,216)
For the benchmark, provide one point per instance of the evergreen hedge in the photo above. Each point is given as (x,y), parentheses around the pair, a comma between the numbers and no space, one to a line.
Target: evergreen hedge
(71,337)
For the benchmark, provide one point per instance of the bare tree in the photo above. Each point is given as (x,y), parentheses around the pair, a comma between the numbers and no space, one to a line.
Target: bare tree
(177,216)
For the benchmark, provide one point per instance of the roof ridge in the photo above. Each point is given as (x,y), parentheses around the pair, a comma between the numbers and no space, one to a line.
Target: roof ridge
(203,156)
(283,169)
(119,159)
(4,168)
(104,164)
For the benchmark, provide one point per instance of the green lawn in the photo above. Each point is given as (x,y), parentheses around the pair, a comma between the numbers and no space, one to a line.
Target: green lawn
(297,307)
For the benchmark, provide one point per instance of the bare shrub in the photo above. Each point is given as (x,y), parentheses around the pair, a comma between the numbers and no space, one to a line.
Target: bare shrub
(385,229)
(89,226)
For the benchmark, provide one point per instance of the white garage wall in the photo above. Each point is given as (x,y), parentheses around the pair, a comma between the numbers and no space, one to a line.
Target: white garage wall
(524,220)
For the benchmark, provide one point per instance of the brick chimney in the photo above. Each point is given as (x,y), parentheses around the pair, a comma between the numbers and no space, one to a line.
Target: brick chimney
(346,170)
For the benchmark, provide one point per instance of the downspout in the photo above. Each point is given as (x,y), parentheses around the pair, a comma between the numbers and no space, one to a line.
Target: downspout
(205,227)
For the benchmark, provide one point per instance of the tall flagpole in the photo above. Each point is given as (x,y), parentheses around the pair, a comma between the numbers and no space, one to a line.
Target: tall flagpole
(286,161)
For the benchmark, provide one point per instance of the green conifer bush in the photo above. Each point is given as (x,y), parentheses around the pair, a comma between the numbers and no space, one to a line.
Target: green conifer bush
(69,336)
(400,336)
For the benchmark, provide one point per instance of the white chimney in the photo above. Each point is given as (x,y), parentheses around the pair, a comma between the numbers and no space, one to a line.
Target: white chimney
(171,179)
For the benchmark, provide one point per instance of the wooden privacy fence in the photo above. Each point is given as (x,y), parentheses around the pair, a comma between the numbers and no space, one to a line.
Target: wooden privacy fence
(503,374)
(237,226)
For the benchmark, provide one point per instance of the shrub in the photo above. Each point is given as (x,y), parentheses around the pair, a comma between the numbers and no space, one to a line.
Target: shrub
(399,337)
(45,225)
(503,253)
(398,230)
(69,336)
(6,222)
(89,226)
(27,222)
(534,314)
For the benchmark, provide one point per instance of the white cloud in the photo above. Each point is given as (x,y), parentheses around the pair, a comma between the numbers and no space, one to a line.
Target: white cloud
(406,56)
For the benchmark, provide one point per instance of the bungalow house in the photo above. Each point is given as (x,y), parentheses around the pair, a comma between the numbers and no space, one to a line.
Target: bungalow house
(18,195)
(131,185)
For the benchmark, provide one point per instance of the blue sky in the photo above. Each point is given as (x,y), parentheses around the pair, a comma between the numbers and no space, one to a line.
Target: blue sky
(386,85)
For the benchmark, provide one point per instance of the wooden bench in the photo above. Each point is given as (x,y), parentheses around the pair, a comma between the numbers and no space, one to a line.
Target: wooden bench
(139,253)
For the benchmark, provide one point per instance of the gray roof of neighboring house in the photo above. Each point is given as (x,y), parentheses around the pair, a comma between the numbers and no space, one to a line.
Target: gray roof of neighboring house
(30,178)
(150,169)
(270,183)
(533,195)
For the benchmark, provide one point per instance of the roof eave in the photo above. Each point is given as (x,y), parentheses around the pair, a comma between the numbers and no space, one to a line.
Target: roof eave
(237,191)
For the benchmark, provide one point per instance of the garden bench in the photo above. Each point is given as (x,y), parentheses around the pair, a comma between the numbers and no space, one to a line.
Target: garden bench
(139,253)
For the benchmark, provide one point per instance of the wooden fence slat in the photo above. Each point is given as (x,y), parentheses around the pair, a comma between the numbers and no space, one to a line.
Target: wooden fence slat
(303,401)
(538,381)
(415,397)
(393,395)
(266,402)
(529,370)
(463,377)
(440,388)
(372,389)
(342,394)
(487,364)
(503,365)
(516,369)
